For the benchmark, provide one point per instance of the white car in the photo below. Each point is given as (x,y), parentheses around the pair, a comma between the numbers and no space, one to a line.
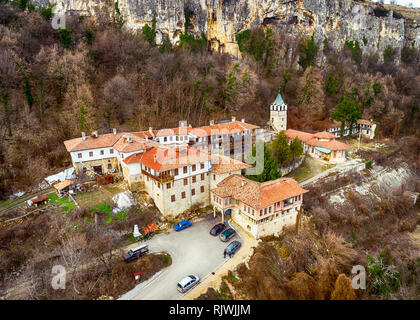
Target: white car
(187,283)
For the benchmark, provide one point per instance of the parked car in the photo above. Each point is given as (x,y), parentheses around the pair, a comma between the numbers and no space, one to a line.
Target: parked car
(217,229)
(227,234)
(182,225)
(136,253)
(233,247)
(187,283)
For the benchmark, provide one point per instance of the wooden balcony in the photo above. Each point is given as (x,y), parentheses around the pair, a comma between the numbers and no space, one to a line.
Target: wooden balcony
(162,178)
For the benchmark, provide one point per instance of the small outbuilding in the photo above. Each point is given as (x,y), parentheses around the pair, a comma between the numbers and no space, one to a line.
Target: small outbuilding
(64,186)
(40,200)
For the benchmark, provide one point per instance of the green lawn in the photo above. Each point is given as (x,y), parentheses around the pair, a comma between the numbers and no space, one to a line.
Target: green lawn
(67,205)
(5,202)
(303,172)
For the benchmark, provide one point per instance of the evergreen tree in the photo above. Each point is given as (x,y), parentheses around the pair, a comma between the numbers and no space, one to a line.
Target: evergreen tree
(281,149)
(348,111)
(296,148)
(270,171)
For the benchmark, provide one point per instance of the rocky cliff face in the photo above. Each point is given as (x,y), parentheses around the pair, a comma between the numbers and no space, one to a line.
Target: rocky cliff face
(221,20)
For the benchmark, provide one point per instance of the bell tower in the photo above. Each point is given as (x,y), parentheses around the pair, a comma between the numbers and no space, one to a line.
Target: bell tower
(278,114)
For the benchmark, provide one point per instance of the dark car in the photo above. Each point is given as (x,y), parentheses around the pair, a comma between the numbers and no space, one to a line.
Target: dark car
(233,247)
(217,229)
(227,234)
(182,225)
(136,253)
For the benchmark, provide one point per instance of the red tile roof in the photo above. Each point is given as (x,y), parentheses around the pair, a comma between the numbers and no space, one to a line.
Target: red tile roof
(256,194)
(366,122)
(222,128)
(166,158)
(324,135)
(223,164)
(133,158)
(102,141)
(310,139)
(302,136)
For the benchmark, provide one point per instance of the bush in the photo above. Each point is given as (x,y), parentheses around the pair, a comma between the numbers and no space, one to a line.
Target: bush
(356,51)
(308,51)
(47,12)
(389,54)
(65,37)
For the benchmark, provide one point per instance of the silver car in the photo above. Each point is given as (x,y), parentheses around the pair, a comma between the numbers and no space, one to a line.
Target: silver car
(187,283)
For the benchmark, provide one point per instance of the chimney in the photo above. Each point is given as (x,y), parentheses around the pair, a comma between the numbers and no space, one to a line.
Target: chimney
(83,136)
(114,130)
(212,122)
(154,158)
(242,120)
(190,126)
(128,139)
(233,119)
(183,123)
(95,133)
(243,183)
(151,130)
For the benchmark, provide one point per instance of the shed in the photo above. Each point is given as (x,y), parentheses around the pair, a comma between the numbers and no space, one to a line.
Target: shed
(64,186)
(40,200)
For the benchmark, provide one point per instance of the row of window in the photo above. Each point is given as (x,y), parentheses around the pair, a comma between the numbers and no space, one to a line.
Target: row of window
(101,152)
(193,180)
(183,194)
(176,171)
(177,138)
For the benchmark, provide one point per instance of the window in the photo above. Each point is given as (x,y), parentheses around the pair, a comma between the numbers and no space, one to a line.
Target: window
(226,201)
(214,176)
(177,138)
(165,139)
(265,211)
(109,166)
(192,192)
(230,200)
(249,211)
(168,186)
(202,176)
(84,169)
(185,169)
(173,198)
(183,194)
(185,182)
(269,210)
(102,152)
(252,211)
(111,151)
(91,154)
(202,189)
(201,165)
(193,167)
(176,171)
(79,155)
(260,212)
(244,207)
(237,201)
(158,185)
(194,179)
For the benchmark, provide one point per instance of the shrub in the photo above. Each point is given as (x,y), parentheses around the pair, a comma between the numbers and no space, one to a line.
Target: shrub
(308,51)
(356,51)
(149,33)
(389,54)
(47,11)
(65,37)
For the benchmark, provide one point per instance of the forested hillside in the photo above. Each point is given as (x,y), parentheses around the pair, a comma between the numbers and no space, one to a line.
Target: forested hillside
(56,83)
